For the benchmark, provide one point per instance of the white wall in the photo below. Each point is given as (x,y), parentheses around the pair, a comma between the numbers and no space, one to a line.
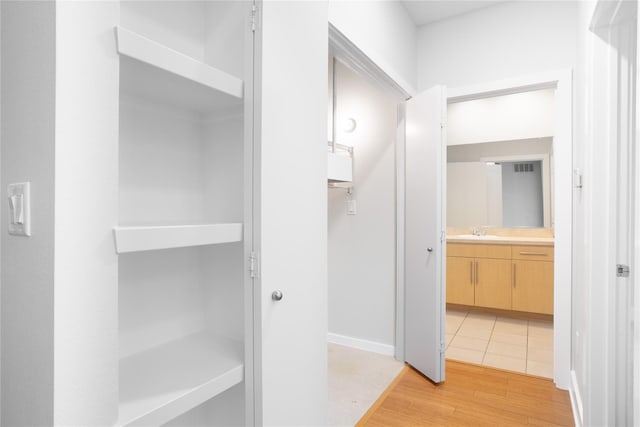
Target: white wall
(361,246)
(509,39)
(583,385)
(501,118)
(86,209)
(385,33)
(59,313)
(474,194)
(28,82)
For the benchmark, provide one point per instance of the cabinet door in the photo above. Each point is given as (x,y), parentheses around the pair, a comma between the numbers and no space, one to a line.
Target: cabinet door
(533,286)
(493,283)
(460,280)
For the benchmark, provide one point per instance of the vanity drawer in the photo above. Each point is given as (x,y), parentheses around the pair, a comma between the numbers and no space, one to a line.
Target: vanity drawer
(532,253)
(478,250)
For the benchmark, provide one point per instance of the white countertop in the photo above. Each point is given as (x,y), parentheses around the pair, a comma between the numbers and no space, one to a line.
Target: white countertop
(500,240)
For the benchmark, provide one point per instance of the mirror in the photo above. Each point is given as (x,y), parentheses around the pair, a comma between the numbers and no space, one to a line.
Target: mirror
(500,184)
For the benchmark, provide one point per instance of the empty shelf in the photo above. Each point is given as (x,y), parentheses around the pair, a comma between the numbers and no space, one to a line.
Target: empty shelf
(147,238)
(158,73)
(161,383)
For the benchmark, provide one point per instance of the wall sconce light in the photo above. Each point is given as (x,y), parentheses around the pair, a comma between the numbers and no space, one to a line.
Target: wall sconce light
(349,125)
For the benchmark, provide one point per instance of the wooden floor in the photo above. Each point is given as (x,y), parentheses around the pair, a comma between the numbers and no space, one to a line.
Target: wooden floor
(471,396)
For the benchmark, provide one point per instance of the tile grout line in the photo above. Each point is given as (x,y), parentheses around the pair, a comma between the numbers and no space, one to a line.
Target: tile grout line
(488,341)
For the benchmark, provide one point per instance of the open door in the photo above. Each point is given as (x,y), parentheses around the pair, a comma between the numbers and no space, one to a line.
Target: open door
(424,235)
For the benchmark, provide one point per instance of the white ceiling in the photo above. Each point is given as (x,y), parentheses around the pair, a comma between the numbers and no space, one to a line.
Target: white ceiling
(427,11)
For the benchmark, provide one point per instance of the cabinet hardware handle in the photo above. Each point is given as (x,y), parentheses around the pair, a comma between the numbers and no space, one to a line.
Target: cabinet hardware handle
(533,253)
(477,279)
(471,271)
(514,275)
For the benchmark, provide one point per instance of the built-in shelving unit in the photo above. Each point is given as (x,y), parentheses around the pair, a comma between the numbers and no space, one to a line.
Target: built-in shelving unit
(161,383)
(180,236)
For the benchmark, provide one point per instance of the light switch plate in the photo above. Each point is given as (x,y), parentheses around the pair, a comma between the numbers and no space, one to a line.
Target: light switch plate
(19,199)
(351,207)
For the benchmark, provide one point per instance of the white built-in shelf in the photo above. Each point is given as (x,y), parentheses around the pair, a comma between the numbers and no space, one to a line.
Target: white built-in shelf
(147,238)
(161,383)
(158,73)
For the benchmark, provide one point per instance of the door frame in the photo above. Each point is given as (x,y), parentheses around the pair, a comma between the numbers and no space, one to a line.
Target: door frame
(636,219)
(610,347)
(562,81)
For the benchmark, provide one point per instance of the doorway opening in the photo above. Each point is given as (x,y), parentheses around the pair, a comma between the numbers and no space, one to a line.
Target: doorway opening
(500,221)
(361,240)
(561,166)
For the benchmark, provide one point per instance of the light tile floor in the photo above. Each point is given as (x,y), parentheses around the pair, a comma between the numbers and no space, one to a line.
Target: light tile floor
(356,379)
(513,344)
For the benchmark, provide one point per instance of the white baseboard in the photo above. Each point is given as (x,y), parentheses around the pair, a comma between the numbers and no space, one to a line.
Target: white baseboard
(576,400)
(360,344)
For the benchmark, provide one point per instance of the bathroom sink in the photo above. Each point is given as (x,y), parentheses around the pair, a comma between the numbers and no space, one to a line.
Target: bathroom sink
(473,236)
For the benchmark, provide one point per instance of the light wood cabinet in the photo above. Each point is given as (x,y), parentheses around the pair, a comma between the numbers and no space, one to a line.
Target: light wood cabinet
(493,280)
(532,279)
(508,277)
(460,283)
(479,275)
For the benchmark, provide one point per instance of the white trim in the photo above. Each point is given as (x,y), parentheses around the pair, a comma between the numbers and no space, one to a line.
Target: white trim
(636,249)
(507,86)
(360,344)
(400,201)
(576,401)
(562,80)
(349,54)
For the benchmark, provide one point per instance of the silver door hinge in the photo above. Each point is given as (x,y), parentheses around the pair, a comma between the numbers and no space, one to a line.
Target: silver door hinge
(622,270)
(443,235)
(252,265)
(254,12)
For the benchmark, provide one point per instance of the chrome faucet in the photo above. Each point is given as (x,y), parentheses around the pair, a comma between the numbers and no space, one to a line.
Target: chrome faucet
(479,231)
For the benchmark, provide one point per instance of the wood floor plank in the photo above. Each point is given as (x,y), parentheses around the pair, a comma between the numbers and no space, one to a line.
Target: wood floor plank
(471,396)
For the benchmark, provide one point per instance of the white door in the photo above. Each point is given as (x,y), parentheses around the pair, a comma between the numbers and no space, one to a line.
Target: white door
(424,228)
(291,107)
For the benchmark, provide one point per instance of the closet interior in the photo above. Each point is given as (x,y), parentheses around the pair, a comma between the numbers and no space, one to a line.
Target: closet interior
(181,235)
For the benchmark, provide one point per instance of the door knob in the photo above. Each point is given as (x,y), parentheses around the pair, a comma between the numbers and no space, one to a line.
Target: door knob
(276,295)
(429,249)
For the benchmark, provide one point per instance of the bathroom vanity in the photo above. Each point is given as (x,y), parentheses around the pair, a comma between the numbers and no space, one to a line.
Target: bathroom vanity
(501,272)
